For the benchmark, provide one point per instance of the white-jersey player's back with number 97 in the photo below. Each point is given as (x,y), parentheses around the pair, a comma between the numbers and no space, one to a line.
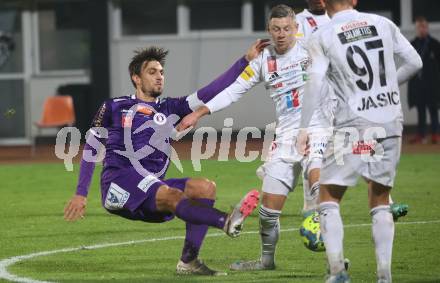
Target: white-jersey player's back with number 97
(363,74)
(355,53)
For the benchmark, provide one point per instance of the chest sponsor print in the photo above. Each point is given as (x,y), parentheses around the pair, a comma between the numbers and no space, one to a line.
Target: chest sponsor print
(271,64)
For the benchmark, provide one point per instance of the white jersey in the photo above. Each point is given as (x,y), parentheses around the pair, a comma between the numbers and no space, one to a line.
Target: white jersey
(308,23)
(356,52)
(284,77)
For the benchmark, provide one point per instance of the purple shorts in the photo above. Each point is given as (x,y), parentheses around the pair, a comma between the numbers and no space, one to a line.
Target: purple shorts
(128,194)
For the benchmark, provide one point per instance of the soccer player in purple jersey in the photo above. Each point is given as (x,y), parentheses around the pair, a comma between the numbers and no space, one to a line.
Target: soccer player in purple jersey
(136,131)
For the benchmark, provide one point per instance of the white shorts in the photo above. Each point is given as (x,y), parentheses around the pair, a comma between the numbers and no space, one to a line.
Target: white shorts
(320,131)
(376,161)
(277,167)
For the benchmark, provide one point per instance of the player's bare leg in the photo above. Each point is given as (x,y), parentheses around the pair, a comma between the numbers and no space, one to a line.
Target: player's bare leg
(269,215)
(382,228)
(332,231)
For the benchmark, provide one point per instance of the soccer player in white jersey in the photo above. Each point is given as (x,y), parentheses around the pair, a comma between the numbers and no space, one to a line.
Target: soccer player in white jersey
(282,68)
(355,54)
(309,21)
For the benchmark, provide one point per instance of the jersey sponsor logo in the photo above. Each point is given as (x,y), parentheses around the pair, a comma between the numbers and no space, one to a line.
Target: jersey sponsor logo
(160,119)
(278,85)
(97,122)
(144,110)
(271,64)
(126,118)
(311,22)
(147,182)
(364,147)
(116,197)
(357,34)
(380,100)
(274,76)
(353,25)
(292,99)
(305,63)
(247,74)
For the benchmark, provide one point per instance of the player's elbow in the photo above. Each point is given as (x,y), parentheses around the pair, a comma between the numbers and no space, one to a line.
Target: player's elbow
(418,63)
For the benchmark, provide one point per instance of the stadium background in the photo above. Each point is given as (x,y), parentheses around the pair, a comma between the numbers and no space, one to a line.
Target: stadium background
(82,48)
(66,43)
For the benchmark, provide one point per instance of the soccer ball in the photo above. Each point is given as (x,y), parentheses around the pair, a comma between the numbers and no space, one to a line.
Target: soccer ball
(310,232)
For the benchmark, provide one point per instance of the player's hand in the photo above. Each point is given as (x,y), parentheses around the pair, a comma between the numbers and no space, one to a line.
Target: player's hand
(302,142)
(191,119)
(188,121)
(256,49)
(75,208)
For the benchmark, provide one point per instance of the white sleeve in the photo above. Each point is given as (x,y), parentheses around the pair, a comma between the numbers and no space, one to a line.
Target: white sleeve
(194,102)
(316,72)
(247,79)
(411,61)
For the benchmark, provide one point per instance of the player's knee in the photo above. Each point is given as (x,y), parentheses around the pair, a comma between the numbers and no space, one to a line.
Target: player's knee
(202,188)
(167,198)
(210,189)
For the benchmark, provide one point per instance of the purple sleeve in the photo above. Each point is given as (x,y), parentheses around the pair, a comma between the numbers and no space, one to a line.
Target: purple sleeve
(206,93)
(85,174)
(101,119)
(179,106)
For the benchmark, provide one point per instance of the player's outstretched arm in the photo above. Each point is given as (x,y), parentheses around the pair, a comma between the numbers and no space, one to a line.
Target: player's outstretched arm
(215,92)
(75,208)
(208,92)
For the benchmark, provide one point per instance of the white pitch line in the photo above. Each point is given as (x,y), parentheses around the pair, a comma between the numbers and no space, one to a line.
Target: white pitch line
(5,263)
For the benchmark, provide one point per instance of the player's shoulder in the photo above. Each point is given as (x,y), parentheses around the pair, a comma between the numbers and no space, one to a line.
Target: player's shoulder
(257,62)
(169,101)
(301,46)
(320,34)
(120,101)
(302,16)
(380,21)
(166,100)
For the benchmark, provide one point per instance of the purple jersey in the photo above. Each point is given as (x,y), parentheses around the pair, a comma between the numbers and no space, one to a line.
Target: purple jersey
(127,112)
(139,132)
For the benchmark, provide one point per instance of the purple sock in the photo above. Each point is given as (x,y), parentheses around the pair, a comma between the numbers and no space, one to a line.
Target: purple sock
(195,234)
(198,213)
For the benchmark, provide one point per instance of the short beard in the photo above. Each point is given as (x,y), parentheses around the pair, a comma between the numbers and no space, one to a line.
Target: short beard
(155,94)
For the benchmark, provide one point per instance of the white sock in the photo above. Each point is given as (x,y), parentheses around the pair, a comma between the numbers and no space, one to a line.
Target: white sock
(333,234)
(311,198)
(306,188)
(269,231)
(383,235)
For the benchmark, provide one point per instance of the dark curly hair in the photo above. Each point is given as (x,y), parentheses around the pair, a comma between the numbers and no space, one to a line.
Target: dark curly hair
(143,56)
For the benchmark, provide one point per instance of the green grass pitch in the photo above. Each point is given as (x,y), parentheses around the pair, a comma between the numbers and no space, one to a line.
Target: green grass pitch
(33,197)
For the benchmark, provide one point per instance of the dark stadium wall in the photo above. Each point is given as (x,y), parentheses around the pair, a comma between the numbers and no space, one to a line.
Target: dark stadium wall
(100,59)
